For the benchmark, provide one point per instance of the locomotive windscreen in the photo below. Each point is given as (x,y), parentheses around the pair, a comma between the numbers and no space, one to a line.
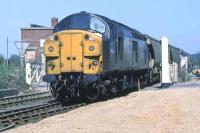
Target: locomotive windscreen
(81,21)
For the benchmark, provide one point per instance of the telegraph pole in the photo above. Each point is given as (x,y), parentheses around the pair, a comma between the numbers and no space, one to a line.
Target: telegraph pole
(7,53)
(22,54)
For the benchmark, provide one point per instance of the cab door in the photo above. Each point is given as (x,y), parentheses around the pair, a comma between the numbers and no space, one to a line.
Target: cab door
(65,53)
(71,52)
(76,52)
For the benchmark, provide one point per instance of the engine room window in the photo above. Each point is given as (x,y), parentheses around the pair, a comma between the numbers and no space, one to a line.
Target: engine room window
(80,22)
(97,25)
(136,57)
(135,50)
(135,45)
(120,48)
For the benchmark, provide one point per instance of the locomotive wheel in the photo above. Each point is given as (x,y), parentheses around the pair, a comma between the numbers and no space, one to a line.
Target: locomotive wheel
(58,91)
(92,91)
(61,95)
(52,88)
(105,85)
(104,92)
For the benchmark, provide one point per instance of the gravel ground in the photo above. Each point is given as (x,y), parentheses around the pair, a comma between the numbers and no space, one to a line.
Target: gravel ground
(173,110)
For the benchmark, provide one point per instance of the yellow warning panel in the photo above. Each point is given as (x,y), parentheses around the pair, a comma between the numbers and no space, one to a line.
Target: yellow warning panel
(53,65)
(92,47)
(51,48)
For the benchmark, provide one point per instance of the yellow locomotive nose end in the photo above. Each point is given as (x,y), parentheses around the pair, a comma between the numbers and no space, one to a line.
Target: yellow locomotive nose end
(73,51)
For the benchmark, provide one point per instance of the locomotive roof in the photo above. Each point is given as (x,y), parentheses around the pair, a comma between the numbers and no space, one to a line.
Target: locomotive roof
(182,51)
(108,21)
(118,23)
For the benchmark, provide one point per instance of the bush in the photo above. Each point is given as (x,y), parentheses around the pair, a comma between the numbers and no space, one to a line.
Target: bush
(12,77)
(2,60)
(15,60)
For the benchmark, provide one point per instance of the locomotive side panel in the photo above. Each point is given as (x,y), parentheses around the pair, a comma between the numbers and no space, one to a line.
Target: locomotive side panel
(157,51)
(175,54)
(126,50)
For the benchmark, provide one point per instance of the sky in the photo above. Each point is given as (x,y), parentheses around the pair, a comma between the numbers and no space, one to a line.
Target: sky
(179,20)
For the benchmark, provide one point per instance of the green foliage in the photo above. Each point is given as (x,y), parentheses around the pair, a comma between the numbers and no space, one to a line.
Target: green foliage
(2,60)
(15,60)
(12,77)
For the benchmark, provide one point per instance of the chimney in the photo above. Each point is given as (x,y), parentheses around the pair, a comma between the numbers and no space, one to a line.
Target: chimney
(54,22)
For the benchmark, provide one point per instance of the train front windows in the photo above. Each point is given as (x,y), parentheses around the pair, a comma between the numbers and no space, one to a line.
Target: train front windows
(80,22)
(97,25)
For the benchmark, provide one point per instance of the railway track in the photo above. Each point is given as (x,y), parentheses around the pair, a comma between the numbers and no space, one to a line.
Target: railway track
(45,107)
(17,117)
(20,101)
(12,98)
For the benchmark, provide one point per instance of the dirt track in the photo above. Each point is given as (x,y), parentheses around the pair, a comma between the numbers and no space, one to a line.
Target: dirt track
(155,111)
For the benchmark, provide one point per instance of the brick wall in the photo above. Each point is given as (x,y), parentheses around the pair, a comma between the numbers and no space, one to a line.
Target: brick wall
(33,36)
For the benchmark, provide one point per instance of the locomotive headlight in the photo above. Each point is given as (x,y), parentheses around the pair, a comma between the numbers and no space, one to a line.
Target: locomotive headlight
(88,37)
(51,49)
(91,48)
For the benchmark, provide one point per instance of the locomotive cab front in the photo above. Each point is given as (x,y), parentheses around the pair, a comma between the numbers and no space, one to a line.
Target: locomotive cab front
(74,54)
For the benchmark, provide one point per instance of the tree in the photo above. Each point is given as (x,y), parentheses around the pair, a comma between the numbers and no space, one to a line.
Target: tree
(2,60)
(14,60)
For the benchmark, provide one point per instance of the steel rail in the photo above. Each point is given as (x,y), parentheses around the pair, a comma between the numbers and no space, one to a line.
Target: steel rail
(6,112)
(33,114)
(33,100)
(6,99)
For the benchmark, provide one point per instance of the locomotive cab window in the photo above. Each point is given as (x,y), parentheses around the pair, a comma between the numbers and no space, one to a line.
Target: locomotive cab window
(80,22)
(97,25)
(84,22)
